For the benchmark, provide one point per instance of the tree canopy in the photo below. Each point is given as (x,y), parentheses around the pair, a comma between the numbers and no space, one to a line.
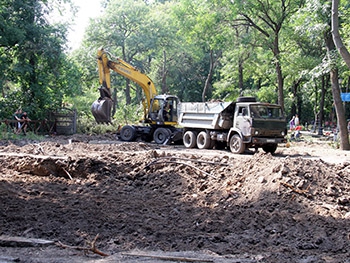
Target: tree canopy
(36,73)
(280,51)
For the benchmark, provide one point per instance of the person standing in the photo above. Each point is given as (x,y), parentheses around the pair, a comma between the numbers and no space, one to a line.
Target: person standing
(292,124)
(17,116)
(24,124)
(296,120)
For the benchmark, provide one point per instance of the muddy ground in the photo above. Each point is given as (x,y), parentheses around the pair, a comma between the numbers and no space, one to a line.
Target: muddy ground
(172,204)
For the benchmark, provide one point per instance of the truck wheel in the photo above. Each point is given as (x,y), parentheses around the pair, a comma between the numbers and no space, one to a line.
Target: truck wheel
(203,140)
(128,133)
(161,135)
(190,139)
(236,144)
(271,148)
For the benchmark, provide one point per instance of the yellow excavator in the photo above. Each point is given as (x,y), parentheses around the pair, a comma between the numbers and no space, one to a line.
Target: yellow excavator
(160,111)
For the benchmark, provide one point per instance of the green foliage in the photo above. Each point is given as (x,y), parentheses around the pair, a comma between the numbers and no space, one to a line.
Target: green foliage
(88,126)
(7,133)
(171,41)
(267,94)
(36,74)
(129,114)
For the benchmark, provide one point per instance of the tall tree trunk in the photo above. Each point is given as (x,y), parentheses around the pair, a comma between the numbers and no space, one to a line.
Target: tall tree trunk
(115,99)
(316,113)
(280,81)
(127,92)
(127,83)
(336,36)
(164,74)
(299,102)
(322,99)
(240,75)
(339,107)
(340,111)
(294,108)
(209,77)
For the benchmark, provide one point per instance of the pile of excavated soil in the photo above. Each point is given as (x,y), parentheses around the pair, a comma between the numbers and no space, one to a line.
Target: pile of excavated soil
(292,207)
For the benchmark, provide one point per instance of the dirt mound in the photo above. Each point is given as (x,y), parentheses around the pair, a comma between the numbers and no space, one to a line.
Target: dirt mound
(284,208)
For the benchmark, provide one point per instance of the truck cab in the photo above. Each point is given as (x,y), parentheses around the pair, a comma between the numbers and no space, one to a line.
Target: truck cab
(257,125)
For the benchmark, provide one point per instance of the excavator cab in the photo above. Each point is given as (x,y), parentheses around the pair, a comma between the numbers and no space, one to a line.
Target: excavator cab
(163,110)
(101,108)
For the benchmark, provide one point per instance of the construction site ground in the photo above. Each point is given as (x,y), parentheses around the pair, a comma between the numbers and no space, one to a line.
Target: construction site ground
(95,199)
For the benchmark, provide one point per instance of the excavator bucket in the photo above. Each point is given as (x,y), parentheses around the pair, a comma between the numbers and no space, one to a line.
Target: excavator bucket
(101,109)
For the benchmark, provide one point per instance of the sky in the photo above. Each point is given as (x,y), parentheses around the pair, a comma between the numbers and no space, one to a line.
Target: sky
(87,10)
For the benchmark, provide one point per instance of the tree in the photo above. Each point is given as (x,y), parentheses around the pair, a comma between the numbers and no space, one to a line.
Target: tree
(38,70)
(126,31)
(268,18)
(344,136)
(307,70)
(204,32)
(336,36)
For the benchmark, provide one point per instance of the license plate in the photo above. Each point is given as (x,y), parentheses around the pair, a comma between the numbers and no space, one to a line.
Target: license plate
(270,140)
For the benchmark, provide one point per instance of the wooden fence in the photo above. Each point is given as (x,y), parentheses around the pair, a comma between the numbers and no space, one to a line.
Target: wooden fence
(62,122)
(36,126)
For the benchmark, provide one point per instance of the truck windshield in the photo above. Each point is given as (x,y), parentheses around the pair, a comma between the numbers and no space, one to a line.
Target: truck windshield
(264,111)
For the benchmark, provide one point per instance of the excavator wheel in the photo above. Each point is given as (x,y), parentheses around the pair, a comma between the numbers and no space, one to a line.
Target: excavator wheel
(161,135)
(128,133)
(101,110)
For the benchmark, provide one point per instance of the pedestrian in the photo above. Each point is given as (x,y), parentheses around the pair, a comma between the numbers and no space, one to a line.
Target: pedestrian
(292,124)
(296,120)
(24,124)
(17,116)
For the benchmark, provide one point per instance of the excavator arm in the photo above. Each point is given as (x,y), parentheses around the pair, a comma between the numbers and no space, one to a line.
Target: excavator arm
(101,108)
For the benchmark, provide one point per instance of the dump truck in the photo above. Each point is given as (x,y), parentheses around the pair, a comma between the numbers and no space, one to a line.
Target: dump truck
(237,125)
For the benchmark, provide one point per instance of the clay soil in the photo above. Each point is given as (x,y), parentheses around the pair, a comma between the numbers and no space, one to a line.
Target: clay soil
(138,202)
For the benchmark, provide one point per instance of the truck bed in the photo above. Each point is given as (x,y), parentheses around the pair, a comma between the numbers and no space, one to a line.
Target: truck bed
(206,115)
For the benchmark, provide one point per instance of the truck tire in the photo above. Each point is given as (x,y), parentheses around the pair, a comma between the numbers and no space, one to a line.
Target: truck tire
(203,140)
(128,133)
(270,148)
(161,135)
(236,144)
(190,139)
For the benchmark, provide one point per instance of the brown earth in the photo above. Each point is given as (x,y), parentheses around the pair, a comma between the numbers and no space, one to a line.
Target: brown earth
(171,203)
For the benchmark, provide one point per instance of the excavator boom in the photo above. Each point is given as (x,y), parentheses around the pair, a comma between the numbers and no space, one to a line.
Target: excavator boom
(101,108)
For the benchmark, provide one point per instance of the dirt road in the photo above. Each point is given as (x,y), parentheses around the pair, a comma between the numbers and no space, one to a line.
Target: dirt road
(174,204)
